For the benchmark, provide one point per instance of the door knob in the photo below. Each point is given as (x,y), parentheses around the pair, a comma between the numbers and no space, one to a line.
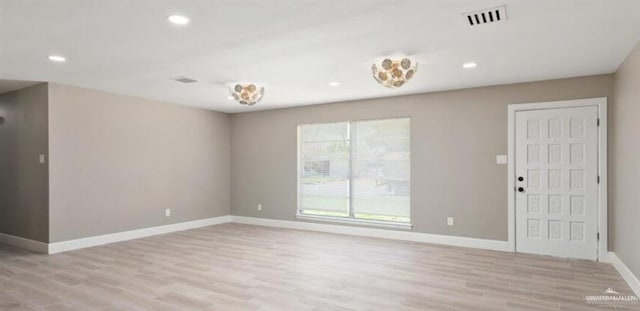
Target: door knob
(520,189)
(520,178)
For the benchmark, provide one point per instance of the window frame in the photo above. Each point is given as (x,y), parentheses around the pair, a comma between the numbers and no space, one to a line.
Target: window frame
(351,218)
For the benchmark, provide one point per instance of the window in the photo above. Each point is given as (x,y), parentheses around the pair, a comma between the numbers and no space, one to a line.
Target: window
(355,171)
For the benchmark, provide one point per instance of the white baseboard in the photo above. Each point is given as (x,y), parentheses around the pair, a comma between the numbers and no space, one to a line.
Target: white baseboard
(378,233)
(624,271)
(64,246)
(31,245)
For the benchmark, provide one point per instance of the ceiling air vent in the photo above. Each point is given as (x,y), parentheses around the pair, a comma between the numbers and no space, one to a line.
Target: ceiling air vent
(486,16)
(185,80)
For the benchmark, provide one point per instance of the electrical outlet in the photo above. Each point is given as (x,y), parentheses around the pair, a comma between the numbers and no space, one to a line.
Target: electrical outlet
(449,221)
(259,207)
(167,212)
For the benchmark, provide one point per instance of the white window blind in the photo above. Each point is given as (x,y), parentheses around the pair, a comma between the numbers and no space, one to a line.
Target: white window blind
(355,170)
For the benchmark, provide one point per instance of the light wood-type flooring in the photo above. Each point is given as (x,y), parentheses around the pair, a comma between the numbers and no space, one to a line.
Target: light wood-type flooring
(242,267)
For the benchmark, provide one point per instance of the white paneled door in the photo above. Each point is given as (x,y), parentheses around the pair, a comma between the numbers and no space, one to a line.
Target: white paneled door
(557,182)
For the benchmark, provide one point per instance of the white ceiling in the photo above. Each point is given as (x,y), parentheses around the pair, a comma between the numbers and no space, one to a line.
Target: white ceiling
(296,47)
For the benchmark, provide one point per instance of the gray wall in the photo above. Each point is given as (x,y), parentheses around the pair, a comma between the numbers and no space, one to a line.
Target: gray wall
(456,136)
(117,162)
(24,187)
(624,163)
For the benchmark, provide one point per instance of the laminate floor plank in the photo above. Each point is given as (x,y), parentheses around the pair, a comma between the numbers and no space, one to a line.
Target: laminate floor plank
(254,268)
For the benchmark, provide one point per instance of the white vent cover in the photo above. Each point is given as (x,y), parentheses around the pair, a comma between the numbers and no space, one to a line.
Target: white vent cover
(492,15)
(183,79)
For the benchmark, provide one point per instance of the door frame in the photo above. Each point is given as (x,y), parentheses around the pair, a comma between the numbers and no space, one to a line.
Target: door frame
(601,104)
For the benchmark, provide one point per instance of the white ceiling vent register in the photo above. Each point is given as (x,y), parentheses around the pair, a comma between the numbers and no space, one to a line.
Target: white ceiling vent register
(183,79)
(492,15)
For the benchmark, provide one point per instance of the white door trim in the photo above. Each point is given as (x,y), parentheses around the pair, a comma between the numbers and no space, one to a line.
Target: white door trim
(601,103)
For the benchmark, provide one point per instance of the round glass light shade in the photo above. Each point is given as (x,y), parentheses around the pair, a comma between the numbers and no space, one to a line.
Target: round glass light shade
(394,73)
(247,94)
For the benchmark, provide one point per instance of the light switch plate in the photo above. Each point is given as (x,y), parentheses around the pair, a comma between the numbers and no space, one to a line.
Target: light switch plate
(41,158)
(449,221)
(501,159)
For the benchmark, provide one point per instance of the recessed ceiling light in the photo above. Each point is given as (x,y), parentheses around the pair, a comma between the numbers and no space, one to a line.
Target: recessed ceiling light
(178,19)
(469,65)
(229,97)
(57,58)
(334,83)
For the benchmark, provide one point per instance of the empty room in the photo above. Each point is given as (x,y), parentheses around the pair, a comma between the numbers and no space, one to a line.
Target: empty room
(319,155)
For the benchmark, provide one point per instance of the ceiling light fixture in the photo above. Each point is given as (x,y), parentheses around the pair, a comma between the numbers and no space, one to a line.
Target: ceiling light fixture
(469,65)
(178,19)
(247,94)
(394,73)
(57,58)
(334,83)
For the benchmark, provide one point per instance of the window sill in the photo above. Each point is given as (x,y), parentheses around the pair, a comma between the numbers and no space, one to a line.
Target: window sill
(361,222)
